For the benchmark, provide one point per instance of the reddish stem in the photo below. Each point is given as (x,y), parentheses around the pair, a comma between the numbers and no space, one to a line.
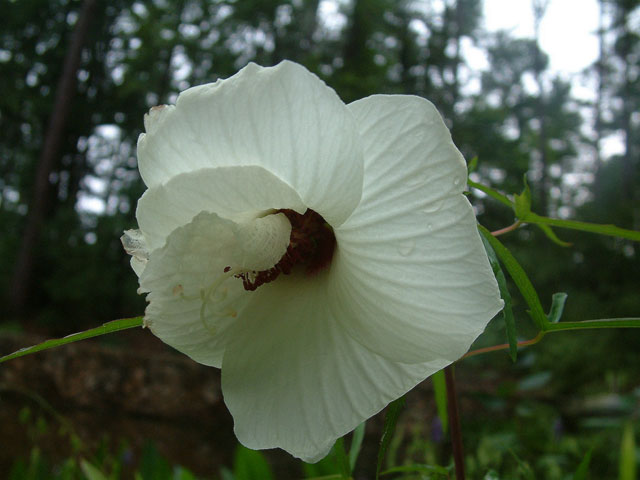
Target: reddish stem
(504,346)
(508,229)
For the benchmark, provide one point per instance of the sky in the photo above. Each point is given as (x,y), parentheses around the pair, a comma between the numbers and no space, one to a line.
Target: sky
(567,31)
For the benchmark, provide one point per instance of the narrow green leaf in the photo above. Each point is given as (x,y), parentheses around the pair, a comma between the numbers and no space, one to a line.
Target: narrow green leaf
(440,393)
(91,472)
(356,444)
(519,277)
(627,454)
(591,324)
(473,164)
(492,193)
(583,468)
(551,235)
(557,307)
(610,230)
(390,421)
(507,311)
(419,468)
(110,327)
(250,464)
(341,459)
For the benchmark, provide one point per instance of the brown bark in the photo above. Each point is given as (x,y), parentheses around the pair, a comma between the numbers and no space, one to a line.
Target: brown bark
(23,269)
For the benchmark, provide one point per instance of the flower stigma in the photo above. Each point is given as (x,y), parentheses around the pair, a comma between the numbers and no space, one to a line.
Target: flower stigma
(311,245)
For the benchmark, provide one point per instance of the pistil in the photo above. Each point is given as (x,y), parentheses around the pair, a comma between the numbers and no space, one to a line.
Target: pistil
(311,246)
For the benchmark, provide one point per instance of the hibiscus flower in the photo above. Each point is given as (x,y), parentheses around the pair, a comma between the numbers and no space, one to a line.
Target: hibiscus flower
(322,255)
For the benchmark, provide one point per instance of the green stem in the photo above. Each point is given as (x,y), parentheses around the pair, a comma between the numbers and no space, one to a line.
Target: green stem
(109,327)
(454,423)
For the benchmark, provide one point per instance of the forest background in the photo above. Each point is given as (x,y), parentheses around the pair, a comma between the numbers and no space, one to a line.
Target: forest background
(69,185)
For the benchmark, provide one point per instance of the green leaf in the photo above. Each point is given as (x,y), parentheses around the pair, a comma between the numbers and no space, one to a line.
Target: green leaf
(557,307)
(522,202)
(473,165)
(583,468)
(91,472)
(627,454)
(110,327)
(519,277)
(610,230)
(390,421)
(419,468)
(591,324)
(492,193)
(440,393)
(250,464)
(341,459)
(507,311)
(551,235)
(356,444)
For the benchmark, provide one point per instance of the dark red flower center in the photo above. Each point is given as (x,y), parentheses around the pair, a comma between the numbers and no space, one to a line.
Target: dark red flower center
(311,245)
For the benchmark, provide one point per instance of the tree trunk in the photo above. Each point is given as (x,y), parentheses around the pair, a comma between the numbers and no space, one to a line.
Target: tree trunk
(19,291)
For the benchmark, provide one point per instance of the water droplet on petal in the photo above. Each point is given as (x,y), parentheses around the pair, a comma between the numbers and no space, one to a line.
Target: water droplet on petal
(418,179)
(433,206)
(406,247)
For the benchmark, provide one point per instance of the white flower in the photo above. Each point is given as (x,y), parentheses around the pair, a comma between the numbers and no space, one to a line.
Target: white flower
(242,175)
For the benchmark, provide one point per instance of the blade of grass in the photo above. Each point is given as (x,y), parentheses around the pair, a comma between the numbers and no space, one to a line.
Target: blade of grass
(356,443)
(341,459)
(583,468)
(440,393)
(110,327)
(390,421)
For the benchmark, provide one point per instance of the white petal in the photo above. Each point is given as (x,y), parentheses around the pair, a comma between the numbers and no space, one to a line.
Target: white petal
(411,279)
(231,192)
(282,118)
(193,296)
(135,244)
(292,378)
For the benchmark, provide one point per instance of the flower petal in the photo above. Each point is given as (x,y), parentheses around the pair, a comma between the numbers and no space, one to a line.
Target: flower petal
(282,118)
(411,279)
(193,295)
(292,378)
(231,192)
(135,244)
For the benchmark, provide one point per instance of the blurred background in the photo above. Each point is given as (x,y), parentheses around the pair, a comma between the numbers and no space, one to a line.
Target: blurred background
(546,88)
